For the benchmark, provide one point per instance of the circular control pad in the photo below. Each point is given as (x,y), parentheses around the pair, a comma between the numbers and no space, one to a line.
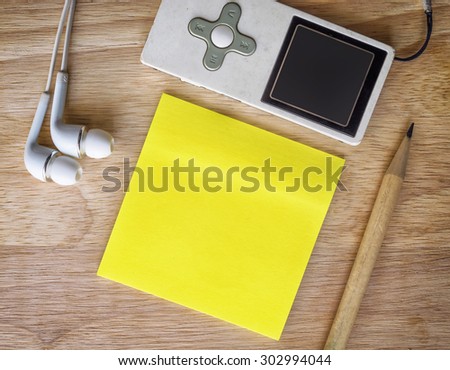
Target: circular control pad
(222,36)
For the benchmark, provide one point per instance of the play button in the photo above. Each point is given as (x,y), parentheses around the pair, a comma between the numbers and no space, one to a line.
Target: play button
(222,36)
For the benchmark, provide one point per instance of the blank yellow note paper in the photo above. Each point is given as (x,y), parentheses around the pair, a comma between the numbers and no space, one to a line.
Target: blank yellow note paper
(221,217)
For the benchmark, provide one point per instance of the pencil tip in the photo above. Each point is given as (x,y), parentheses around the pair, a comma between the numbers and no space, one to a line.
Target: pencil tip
(410,131)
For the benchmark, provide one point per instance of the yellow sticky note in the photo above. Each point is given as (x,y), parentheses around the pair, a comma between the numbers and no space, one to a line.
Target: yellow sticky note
(221,217)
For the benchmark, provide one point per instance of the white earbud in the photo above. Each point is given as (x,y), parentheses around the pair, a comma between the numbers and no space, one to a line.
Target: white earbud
(47,164)
(75,140)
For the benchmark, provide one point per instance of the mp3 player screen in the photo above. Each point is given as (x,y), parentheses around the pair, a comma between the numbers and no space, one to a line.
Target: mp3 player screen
(324,76)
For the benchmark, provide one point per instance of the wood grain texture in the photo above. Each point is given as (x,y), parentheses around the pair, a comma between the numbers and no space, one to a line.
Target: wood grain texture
(52,239)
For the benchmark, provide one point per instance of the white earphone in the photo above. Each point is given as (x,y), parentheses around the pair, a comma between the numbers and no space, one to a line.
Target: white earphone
(76,141)
(44,163)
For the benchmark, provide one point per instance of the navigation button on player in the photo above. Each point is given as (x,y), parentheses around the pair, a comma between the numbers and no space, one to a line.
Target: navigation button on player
(231,13)
(213,59)
(222,36)
(244,45)
(200,28)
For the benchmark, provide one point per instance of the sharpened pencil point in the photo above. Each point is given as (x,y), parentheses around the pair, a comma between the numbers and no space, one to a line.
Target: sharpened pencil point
(410,131)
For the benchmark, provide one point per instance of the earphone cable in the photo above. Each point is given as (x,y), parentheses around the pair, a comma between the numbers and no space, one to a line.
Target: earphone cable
(56,45)
(429,14)
(65,56)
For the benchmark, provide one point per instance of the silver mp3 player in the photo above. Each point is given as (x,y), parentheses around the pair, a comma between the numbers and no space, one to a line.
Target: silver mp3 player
(274,58)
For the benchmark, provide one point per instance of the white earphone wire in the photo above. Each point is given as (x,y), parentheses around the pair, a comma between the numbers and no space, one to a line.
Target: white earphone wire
(65,55)
(56,45)
(38,120)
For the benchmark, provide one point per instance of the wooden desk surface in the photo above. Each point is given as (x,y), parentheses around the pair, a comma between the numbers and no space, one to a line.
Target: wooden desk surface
(52,238)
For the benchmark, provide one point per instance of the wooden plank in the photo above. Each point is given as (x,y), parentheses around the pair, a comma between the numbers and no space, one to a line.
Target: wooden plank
(52,239)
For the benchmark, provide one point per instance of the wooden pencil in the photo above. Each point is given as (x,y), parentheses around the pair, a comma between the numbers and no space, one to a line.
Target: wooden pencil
(369,248)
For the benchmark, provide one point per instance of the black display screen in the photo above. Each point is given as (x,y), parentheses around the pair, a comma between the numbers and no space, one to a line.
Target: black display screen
(324,76)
